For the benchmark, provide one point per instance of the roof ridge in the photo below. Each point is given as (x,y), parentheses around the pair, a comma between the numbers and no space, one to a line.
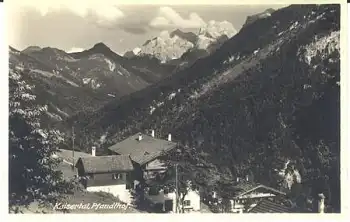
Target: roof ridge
(136,149)
(256,186)
(107,163)
(105,156)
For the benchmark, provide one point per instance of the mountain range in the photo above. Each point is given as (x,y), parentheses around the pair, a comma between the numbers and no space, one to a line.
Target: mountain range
(172,46)
(242,101)
(84,81)
(73,82)
(269,93)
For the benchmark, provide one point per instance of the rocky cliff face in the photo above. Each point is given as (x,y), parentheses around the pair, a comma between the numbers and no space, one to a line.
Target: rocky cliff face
(252,18)
(171,46)
(271,91)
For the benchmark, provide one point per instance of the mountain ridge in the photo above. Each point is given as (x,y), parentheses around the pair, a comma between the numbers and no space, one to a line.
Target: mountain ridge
(252,18)
(245,104)
(168,47)
(73,82)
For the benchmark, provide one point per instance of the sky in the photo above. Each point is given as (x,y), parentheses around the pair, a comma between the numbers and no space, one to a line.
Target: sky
(78,25)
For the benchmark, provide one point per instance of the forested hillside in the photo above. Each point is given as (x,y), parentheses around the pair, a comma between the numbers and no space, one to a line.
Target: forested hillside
(270,93)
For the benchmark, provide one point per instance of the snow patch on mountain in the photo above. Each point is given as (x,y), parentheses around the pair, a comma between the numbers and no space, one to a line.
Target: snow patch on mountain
(169,46)
(216,29)
(111,65)
(136,50)
(99,57)
(203,42)
(121,71)
(165,47)
(54,74)
(69,59)
(92,82)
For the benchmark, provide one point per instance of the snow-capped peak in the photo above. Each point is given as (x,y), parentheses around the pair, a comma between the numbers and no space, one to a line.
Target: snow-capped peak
(203,42)
(136,50)
(211,22)
(216,29)
(164,34)
(168,46)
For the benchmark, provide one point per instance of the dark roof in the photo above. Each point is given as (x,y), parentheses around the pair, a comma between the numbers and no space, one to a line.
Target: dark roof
(156,198)
(106,164)
(268,206)
(143,151)
(67,155)
(68,173)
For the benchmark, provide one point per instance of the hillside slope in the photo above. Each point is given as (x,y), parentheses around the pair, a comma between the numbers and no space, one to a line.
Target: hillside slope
(69,83)
(270,93)
(61,91)
(148,69)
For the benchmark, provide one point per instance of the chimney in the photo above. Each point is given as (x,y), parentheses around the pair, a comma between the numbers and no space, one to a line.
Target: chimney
(93,151)
(214,194)
(152,133)
(321,203)
(140,137)
(169,137)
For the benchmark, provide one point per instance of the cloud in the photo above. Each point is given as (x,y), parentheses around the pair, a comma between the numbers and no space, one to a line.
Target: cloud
(134,30)
(159,22)
(74,49)
(103,11)
(133,25)
(169,18)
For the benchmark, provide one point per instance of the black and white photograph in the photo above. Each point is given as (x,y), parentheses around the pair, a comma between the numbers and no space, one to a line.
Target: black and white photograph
(173,108)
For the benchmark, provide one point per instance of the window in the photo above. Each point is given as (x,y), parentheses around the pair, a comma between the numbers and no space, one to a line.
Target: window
(117,176)
(166,190)
(187,203)
(153,191)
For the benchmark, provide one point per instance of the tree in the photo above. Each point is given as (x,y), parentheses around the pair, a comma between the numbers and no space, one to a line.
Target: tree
(33,171)
(181,173)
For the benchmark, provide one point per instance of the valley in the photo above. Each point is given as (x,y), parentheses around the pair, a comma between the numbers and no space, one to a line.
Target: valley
(240,106)
(258,105)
